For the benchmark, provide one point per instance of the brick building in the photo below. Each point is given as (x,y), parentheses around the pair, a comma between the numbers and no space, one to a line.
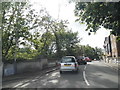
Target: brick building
(111,47)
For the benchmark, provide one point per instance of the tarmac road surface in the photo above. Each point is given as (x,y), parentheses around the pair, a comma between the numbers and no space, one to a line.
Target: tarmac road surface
(93,75)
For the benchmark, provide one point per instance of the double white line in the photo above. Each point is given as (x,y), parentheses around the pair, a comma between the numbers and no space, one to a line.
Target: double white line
(84,76)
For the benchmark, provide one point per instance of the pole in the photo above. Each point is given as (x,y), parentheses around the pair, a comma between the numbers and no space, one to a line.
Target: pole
(59,9)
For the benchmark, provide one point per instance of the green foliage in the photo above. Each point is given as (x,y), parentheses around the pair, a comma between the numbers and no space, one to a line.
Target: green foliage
(92,53)
(22,26)
(69,42)
(97,14)
(17,23)
(47,40)
(65,39)
(38,34)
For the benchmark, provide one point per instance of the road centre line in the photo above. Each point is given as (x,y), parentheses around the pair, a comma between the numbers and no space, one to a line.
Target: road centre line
(84,67)
(86,81)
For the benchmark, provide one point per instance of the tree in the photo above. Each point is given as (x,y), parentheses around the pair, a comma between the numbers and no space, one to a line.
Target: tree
(9,23)
(97,14)
(22,26)
(18,22)
(47,41)
(89,51)
(64,39)
(70,41)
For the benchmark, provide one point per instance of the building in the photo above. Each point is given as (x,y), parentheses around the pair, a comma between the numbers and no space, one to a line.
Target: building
(111,48)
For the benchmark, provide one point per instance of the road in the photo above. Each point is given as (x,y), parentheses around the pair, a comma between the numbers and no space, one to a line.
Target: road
(93,75)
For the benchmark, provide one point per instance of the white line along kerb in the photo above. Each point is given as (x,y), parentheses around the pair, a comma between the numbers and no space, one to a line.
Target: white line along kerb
(85,78)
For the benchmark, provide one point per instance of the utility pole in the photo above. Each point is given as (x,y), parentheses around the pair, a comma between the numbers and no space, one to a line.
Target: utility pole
(59,9)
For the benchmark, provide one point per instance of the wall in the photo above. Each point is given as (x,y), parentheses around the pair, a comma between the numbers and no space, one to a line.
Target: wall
(25,67)
(8,69)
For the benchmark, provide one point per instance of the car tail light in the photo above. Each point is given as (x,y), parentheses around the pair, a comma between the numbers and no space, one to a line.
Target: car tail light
(59,64)
(72,65)
(76,65)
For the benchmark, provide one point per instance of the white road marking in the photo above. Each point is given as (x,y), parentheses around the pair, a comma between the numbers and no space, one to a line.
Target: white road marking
(85,68)
(54,74)
(86,81)
(25,84)
(54,81)
(17,85)
(47,74)
(26,81)
(34,80)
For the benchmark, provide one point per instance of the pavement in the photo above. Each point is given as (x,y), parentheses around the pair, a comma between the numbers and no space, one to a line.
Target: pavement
(28,74)
(114,66)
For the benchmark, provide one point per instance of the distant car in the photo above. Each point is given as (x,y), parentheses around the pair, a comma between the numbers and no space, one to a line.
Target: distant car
(87,59)
(68,63)
(81,60)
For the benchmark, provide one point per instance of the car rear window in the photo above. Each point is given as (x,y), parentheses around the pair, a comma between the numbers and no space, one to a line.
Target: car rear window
(67,59)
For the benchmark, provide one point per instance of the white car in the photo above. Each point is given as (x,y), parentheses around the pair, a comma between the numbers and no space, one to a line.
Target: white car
(68,63)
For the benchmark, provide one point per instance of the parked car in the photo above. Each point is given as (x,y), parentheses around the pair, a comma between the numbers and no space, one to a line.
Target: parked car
(68,63)
(81,60)
(87,59)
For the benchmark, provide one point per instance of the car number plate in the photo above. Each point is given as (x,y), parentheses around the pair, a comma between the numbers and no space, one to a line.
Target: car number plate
(66,65)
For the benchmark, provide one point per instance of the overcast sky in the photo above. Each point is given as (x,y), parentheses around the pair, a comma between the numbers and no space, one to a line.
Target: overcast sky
(61,9)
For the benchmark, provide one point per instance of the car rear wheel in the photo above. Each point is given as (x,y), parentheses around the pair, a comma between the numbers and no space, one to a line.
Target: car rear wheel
(61,72)
(85,63)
